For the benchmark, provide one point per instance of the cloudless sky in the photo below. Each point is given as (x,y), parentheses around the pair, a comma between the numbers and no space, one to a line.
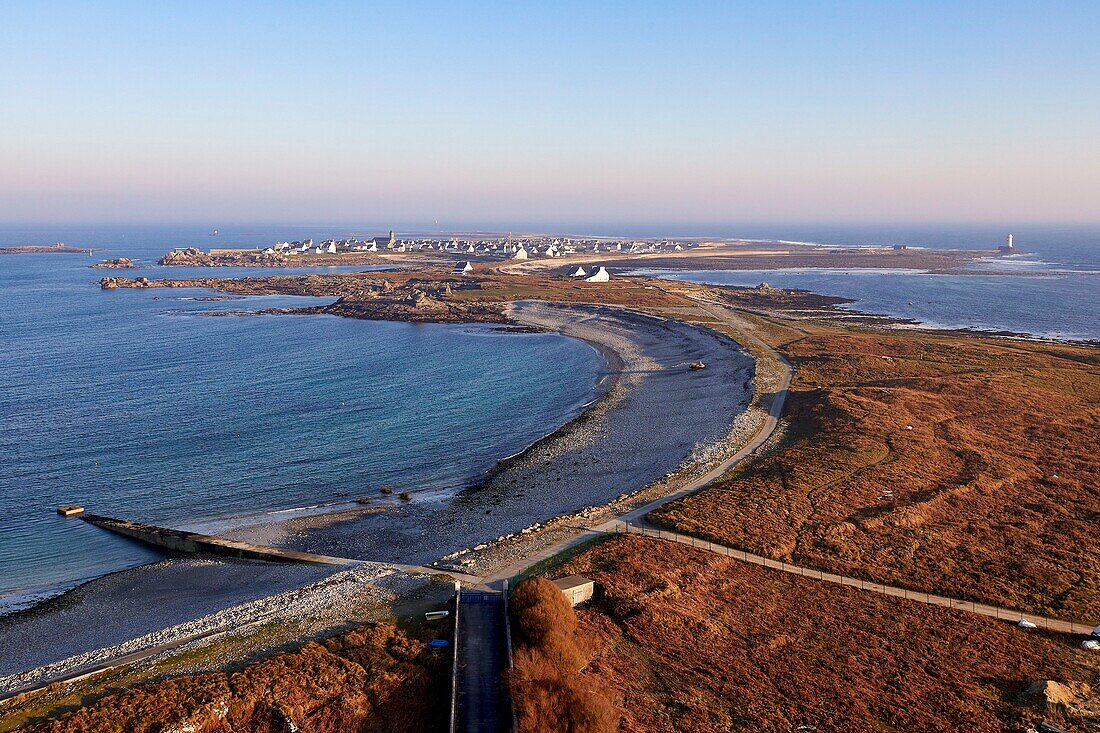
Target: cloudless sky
(486,113)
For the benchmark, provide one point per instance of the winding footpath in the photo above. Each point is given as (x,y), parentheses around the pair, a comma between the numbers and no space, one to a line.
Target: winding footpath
(634,521)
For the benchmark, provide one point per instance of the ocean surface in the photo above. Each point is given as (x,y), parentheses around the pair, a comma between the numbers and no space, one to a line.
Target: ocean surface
(134,404)
(1051,289)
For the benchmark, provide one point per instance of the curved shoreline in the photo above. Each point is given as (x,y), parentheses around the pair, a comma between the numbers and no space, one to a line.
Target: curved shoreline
(106,597)
(605,386)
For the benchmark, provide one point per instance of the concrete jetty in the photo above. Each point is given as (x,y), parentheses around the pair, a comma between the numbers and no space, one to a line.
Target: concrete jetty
(178,540)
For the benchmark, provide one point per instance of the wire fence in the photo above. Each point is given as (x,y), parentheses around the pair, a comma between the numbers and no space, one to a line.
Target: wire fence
(1004,614)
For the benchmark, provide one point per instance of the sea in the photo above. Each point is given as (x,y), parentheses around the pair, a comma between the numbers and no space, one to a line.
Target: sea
(1050,289)
(136,403)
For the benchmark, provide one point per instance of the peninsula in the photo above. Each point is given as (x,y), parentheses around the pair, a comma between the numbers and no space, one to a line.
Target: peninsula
(909,479)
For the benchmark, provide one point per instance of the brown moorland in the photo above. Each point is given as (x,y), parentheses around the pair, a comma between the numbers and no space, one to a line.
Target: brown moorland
(953,464)
(374,678)
(549,694)
(693,641)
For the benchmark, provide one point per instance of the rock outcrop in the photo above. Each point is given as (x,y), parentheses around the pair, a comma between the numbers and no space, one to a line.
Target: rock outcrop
(117,263)
(195,257)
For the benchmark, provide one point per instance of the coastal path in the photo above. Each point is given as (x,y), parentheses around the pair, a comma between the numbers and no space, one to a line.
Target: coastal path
(634,521)
(637,525)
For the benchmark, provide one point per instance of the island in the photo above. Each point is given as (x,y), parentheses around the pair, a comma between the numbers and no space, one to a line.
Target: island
(58,248)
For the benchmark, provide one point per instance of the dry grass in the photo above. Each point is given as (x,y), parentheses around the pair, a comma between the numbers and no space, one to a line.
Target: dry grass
(693,641)
(375,678)
(955,465)
(549,694)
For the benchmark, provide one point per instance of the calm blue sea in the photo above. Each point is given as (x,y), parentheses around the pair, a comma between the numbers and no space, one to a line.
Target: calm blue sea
(134,404)
(1053,291)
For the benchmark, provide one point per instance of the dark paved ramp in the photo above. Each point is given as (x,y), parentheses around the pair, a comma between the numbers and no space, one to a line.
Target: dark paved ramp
(482,704)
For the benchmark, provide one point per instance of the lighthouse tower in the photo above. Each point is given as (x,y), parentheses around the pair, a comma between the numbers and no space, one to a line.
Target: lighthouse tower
(1007,246)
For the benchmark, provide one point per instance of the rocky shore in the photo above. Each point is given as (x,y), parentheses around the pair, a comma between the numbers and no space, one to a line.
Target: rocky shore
(195,257)
(373,297)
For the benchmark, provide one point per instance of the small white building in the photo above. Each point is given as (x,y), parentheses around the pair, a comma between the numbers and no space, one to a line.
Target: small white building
(462,268)
(521,254)
(599,276)
(579,273)
(576,588)
(331,248)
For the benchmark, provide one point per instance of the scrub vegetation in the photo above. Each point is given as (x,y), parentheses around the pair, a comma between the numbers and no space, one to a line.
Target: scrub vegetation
(550,693)
(696,642)
(375,678)
(951,464)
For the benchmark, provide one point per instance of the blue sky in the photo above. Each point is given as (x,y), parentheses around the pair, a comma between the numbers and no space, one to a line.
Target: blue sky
(484,113)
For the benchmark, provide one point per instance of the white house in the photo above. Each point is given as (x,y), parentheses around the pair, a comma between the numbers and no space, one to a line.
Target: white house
(521,254)
(599,276)
(462,268)
(331,248)
(579,273)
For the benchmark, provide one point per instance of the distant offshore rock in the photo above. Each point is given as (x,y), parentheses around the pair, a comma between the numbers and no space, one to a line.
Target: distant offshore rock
(60,247)
(117,263)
